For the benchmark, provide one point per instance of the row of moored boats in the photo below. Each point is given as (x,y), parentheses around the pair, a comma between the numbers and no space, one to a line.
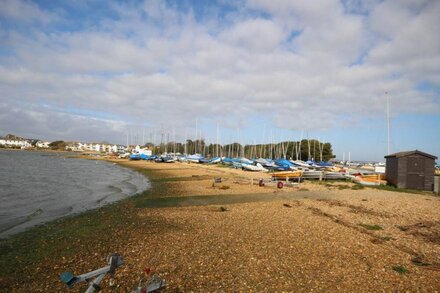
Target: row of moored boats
(281,169)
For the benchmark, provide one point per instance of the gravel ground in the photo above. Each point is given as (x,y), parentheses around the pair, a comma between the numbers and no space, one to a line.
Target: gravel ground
(315,238)
(312,241)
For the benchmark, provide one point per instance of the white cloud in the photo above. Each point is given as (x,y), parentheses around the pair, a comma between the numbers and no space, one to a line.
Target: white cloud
(256,35)
(25,11)
(158,65)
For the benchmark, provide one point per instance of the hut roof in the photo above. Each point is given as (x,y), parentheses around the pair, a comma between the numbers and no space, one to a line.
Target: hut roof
(408,153)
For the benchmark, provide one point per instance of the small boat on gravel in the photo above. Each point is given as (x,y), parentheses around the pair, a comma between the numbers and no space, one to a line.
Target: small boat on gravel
(371,180)
(311,174)
(286,175)
(334,175)
(135,157)
(194,158)
(257,167)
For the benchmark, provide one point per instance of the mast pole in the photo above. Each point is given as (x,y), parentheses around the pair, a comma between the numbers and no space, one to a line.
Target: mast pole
(388,121)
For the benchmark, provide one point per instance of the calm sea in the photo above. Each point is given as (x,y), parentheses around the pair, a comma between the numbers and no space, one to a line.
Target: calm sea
(36,187)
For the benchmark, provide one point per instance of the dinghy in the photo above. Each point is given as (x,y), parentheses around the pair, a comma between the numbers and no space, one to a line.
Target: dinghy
(194,158)
(257,167)
(370,180)
(310,174)
(300,163)
(286,175)
(134,157)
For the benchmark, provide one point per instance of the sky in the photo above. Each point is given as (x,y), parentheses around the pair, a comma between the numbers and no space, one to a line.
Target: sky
(256,70)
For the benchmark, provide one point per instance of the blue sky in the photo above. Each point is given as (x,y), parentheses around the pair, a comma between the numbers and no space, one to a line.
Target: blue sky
(97,70)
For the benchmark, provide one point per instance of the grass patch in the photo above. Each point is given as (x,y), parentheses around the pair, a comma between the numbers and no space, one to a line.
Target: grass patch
(400,269)
(303,189)
(224,187)
(342,187)
(395,189)
(223,165)
(177,179)
(357,187)
(371,227)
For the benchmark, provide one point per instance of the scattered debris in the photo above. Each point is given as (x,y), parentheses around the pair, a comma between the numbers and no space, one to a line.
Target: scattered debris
(223,209)
(287,205)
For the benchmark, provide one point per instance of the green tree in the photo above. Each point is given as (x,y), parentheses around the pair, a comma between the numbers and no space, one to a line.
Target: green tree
(57,145)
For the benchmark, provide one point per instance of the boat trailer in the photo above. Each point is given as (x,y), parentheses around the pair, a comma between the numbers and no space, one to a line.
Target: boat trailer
(95,277)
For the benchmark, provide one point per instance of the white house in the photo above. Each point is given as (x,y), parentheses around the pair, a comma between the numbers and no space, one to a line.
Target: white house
(144,151)
(75,146)
(121,149)
(42,144)
(15,143)
(89,147)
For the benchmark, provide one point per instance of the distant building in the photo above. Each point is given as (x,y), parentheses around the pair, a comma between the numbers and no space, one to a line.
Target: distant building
(15,143)
(145,151)
(42,144)
(121,149)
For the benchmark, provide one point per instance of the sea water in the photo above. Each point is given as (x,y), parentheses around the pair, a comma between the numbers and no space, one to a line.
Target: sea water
(37,187)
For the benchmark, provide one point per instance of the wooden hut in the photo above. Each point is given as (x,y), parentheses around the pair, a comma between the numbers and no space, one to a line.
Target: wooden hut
(412,170)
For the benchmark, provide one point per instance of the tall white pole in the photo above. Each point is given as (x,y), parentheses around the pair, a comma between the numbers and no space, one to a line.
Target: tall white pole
(195,141)
(216,143)
(388,121)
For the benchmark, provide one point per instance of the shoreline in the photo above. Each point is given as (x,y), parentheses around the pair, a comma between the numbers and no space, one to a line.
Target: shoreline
(200,248)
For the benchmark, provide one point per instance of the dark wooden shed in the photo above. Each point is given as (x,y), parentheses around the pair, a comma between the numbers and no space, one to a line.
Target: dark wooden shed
(412,170)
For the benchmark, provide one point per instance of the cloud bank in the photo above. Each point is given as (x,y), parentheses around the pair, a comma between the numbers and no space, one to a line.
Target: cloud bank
(94,70)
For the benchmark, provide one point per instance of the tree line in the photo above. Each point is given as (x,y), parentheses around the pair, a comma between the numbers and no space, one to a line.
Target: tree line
(306,149)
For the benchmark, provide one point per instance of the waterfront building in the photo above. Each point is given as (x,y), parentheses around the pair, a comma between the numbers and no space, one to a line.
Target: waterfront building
(42,144)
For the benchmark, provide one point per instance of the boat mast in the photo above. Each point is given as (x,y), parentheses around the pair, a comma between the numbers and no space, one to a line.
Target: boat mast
(174,141)
(388,121)
(195,141)
(262,142)
(216,144)
(186,143)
